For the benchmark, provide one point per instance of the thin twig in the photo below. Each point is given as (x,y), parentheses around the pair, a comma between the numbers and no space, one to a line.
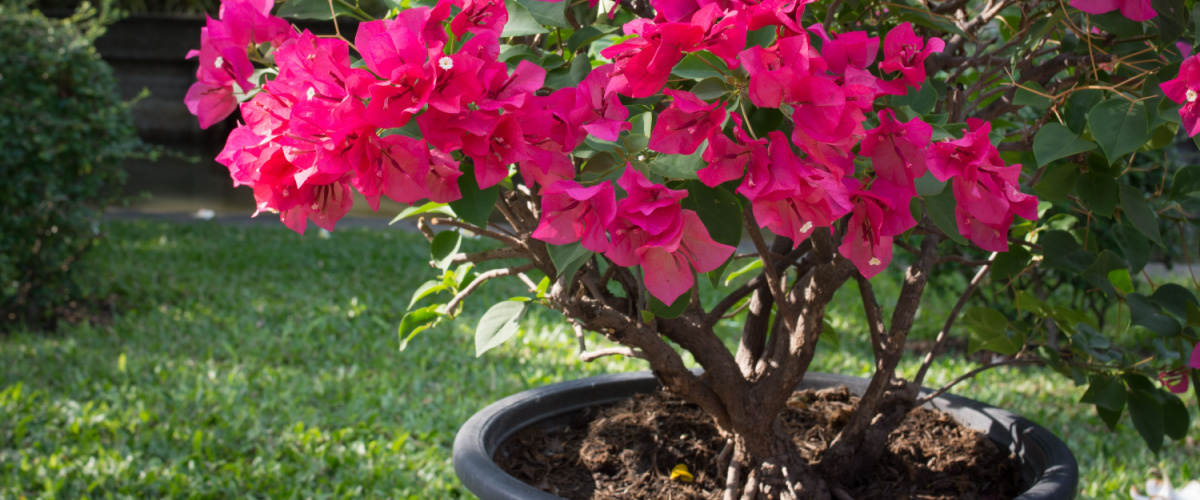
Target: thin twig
(481,279)
(503,238)
(972,373)
(612,351)
(943,335)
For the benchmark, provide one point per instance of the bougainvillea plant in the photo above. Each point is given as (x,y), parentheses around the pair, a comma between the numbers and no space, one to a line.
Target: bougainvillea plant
(620,153)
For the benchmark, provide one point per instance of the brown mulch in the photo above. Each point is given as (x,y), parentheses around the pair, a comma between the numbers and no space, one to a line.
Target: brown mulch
(628,450)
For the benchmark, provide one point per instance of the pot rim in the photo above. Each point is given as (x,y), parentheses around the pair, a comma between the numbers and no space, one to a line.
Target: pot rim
(1048,468)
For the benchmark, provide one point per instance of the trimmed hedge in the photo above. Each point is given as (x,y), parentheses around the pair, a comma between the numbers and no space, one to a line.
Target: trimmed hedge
(65,131)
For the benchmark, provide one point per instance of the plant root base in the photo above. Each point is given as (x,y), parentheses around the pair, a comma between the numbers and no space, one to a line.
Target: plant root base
(628,450)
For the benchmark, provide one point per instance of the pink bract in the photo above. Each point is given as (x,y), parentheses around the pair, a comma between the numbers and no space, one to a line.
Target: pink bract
(1184,89)
(1135,10)
(685,123)
(571,212)
(906,52)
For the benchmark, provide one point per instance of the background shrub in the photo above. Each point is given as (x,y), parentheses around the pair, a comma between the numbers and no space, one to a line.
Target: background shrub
(65,131)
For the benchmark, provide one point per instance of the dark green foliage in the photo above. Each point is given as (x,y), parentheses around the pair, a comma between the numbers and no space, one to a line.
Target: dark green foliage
(141,6)
(65,130)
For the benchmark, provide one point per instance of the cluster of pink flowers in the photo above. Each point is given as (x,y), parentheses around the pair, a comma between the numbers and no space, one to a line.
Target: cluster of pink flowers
(1135,10)
(224,60)
(321,128)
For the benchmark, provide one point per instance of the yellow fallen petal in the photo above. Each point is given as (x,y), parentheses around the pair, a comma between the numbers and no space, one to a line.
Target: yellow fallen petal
(681,473)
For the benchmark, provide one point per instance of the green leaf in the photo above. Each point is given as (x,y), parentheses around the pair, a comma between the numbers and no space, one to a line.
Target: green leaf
(520,22)
(1134,247)
(989,330)
(1056,141)
(1032,93)
(694,66)
(1186,182)
(545,13)
(1172,20)
(658,308)
(434,207)
(1078,106)
(1140,215)
(1119,126)
(714,276)
(1176,418)
(416,321)
(1058,181)
(752,266)
(1010,264)
(1109,417)
(586,35)
(1145,313)
(941,210)
(1147,416)
(1091,341)
(498,325)
(1099,192)
(443,248)
(476,204)
(710,88)
(1121,280)
(1174,299)
(1097,273)
(1061,251)
(928,185)
(1106,392)
(922,101)
(718,209)
(568,258)
(680,166)
(426,289)
(312,9)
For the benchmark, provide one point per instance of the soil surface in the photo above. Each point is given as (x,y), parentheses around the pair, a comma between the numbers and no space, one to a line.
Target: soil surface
(629,449)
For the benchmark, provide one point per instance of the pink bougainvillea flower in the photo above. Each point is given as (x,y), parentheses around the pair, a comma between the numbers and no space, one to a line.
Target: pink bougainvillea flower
(641,65)
(1175,380)
(571,212)
(683,126)
(728,159)
(210,103)
(897,152)
(669,270)
(906,52)
(870,231)
(509,91)
(985,207)
(951,158)
(457,82)
(724,35)
(1135,10)
(250,21)
(597,109)
(1184,89)
(775,69)
(651,230)
(792,197)
(854,49)
(493,152)
(479,16)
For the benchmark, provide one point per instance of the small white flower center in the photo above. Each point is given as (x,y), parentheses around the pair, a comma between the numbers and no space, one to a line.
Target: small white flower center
(874,261)
(806,227)
(315,206)
(445,63)
(1191,95)
(311,92)
(219,61)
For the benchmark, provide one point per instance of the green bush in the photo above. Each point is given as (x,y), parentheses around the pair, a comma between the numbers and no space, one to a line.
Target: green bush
(65,131)
(142,6)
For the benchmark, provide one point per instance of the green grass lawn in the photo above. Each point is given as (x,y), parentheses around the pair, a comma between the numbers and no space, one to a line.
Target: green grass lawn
(251,362)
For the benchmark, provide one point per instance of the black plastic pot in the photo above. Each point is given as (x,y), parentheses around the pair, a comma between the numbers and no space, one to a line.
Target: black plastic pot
(1048,469)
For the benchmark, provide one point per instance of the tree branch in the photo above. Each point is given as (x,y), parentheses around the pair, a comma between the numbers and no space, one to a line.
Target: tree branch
(944,334)
(481,279)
